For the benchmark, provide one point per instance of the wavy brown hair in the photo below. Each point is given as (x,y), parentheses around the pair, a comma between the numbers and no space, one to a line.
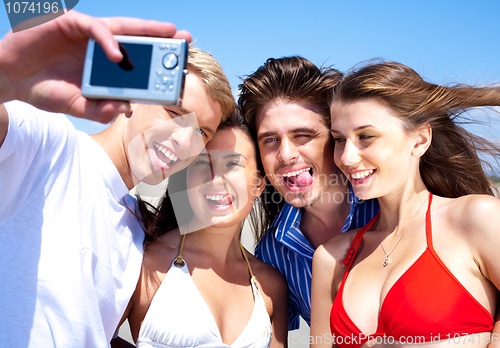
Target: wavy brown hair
(451,167)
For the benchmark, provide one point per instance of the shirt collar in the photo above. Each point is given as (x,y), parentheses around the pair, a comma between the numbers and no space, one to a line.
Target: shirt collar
(287,227)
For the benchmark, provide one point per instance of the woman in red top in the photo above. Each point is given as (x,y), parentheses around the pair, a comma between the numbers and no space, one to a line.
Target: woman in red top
(427,268)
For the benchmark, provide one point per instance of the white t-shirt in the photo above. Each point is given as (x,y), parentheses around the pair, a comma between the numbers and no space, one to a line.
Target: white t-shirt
(71,251)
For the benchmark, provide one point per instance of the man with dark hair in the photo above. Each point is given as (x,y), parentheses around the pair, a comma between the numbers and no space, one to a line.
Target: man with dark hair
(308,200)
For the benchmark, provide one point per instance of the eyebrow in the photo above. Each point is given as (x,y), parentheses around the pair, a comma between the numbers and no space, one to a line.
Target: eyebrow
(228,156)
(296,130)
(355,130)
(234,155)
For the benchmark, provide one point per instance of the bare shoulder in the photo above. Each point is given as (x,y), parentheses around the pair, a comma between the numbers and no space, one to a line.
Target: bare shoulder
(271,281)
(160,254)
(478,213)
(335,249)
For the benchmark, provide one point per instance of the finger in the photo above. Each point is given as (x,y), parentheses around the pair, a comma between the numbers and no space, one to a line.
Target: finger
(183,34)
(102,34)
(102,30)
(103,111)
(139,27)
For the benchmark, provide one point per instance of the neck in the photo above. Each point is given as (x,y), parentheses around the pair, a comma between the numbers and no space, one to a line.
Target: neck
(325,218)
(397,211)
(111,140)
(218,243)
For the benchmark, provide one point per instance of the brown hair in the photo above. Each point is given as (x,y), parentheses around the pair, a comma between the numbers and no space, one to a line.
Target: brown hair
(451,166)
(291,79)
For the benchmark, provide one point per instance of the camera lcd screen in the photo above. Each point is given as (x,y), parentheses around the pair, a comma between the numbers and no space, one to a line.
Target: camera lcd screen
(108,74)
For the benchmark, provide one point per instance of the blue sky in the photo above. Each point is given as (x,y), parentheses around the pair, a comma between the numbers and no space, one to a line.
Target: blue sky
(445,41)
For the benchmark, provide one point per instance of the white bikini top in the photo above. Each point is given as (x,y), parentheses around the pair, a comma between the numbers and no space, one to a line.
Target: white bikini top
(179,317)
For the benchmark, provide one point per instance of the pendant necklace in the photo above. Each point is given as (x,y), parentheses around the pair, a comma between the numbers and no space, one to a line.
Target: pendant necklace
(387,254)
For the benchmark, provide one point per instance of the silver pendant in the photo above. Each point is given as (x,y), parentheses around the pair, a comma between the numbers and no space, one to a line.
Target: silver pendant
(386,261)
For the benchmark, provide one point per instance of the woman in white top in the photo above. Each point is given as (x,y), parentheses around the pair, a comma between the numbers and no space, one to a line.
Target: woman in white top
(199,286)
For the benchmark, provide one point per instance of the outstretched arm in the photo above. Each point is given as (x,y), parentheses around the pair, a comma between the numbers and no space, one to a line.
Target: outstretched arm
(43,65)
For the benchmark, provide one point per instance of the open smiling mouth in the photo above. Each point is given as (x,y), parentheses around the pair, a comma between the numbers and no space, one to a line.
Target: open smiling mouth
(299,178)
(220,200)
(168,158)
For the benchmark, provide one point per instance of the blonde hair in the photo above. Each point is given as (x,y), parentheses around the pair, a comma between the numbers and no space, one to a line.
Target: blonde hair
(212,76)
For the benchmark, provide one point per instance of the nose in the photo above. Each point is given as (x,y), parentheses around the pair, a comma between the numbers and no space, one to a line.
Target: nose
(287,151)
(349,153)
(181,137)
(218,182)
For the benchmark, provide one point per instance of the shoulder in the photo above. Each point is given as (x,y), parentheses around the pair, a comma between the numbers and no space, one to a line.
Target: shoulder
(266,274)
(271,282)
(20,112)
(475,219)
(159,255)
(330,255)
(475,212)
(336,247)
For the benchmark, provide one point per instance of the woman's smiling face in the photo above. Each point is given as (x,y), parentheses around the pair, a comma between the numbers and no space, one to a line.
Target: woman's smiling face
(223,181)
(372,148)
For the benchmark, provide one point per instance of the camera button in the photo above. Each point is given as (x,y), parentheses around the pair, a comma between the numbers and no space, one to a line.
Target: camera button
(170,61)
(157,86)
(158,72)
(163,87)
(164,46)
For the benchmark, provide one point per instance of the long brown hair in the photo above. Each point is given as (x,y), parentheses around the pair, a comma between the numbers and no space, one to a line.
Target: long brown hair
(451,167)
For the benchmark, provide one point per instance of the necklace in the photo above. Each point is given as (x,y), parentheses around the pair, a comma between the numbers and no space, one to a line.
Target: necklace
(387,254)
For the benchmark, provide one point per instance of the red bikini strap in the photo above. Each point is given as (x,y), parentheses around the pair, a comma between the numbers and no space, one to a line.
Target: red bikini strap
(428,225)
(355,243)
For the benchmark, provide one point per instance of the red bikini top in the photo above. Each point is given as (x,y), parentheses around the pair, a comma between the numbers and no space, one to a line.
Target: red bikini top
(427,303)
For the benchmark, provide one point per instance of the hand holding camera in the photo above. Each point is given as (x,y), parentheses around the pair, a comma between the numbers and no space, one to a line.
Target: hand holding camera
(43,65)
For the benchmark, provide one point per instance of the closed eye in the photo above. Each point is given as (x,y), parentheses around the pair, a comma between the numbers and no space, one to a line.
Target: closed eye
(173,113)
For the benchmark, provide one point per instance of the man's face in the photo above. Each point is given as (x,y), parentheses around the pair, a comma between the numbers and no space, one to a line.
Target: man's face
(161,140)
(296,150)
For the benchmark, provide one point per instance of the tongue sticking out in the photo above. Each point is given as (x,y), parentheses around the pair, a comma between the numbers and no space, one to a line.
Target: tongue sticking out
(303,179)
(224,201)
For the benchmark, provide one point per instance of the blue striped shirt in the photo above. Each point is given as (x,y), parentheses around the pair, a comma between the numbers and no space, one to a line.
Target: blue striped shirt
(287,249)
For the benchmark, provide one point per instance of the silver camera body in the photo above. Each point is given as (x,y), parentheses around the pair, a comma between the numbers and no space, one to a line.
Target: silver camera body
(153,71)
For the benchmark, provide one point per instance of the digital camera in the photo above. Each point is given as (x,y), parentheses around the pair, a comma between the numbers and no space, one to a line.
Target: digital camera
(152,71)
